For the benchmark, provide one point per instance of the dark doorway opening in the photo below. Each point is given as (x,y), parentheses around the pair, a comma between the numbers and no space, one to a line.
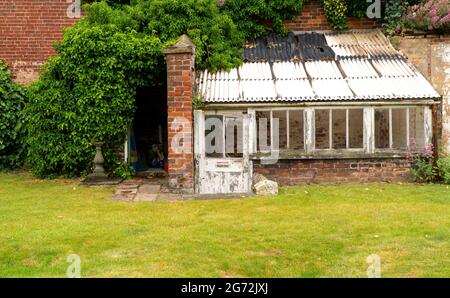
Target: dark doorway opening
(148,137)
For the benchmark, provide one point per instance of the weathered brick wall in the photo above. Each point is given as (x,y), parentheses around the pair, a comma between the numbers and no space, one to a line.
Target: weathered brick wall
(180,79)
(28,29)
(294,172)
(313,17)
(431,55)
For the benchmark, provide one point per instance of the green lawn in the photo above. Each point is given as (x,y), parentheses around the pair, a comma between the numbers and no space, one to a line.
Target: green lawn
(310,231)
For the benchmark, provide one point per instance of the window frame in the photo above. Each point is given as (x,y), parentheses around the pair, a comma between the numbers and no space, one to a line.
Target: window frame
(330,130)
(368,149)
(288,143)
(426,119)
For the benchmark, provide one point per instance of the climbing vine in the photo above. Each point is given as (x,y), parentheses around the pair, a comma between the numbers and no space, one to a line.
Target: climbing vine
(336,12)
(12,101)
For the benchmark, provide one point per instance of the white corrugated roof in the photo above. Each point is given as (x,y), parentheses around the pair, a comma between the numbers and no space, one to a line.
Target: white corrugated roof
(366,67)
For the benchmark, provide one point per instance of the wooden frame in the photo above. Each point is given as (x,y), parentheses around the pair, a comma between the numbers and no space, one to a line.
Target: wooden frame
(368,150)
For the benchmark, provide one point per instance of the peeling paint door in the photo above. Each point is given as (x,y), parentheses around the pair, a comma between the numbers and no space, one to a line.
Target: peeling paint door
(221,153)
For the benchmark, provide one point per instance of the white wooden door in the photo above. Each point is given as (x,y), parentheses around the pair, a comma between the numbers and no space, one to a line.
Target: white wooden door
(221,153)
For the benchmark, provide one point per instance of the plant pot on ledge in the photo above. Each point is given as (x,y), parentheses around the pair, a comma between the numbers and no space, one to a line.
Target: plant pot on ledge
(99,176)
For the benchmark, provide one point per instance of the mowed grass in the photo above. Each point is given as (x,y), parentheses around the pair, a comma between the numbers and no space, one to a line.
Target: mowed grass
(309,231)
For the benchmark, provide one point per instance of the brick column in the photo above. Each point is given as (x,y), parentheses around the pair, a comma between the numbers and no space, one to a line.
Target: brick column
(180,80)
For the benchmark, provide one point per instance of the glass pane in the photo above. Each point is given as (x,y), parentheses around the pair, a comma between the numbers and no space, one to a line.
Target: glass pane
(416,128)
(296,130)
(339,129)
(282,129)
(234,136)
(322,121)
(399,138)
(356,128)
(381,128)
(214,146)
(263,131)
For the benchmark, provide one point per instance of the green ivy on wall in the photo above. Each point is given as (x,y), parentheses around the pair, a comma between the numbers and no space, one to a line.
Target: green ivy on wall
(336,13)
(12,128)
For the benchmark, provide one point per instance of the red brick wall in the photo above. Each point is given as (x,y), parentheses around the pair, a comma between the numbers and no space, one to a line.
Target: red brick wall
(294,172)
(180,79)
(313,17)
(28,29)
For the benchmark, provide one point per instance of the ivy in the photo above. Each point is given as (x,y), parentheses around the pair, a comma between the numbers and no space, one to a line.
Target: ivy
(257,17)
(87,94)
(12,128)
(336,12)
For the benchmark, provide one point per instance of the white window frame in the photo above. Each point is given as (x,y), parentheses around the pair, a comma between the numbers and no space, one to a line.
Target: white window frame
(254,127)
(368,129)
(427,125)
(330,129)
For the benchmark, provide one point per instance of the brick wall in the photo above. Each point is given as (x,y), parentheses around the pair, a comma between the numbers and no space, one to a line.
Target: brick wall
(313,17)
(180,79)
(28,29)
(431,55)
(294,172)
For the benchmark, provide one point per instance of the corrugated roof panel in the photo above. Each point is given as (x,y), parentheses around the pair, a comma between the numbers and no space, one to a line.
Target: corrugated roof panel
(334,89)
(340,39)
(370,88)
(311,39)
(323,70)
(380,51)
(261,90)
(372,37)
(358,68)
(289,89)
(354,51)
(372,68)
(288,70)
(255,71)
(411,87)
(393,67)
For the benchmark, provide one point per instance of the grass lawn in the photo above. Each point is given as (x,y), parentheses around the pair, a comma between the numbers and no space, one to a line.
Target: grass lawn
(310,231)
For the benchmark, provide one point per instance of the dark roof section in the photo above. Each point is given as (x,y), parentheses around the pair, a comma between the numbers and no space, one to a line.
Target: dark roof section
(301,47)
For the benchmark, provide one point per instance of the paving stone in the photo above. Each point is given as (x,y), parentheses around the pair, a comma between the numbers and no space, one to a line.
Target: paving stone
(131,191)
(123,198)
(149,188)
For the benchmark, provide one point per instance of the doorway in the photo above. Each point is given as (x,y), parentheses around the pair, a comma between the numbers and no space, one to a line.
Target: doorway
(222,153)
(148,134)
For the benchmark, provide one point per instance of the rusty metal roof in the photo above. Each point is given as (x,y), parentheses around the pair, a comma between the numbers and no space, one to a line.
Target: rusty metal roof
(308,67)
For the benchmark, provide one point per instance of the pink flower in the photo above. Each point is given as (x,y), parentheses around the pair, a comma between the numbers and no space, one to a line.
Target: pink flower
(428,4)
(433,12)
(445,19)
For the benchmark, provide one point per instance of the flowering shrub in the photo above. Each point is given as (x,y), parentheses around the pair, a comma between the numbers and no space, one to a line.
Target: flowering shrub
(422,163)
(429,16)
(444,169)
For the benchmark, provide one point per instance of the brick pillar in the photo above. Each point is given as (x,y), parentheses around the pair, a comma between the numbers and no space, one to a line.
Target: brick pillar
(180,80)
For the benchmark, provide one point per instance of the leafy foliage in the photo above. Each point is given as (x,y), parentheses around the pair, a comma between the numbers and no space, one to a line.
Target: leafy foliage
(87,94)
(394,14)
(431,15)
(257,17)
(12,101)
(443,165)
(423,167)
(336,12)
(357,8)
